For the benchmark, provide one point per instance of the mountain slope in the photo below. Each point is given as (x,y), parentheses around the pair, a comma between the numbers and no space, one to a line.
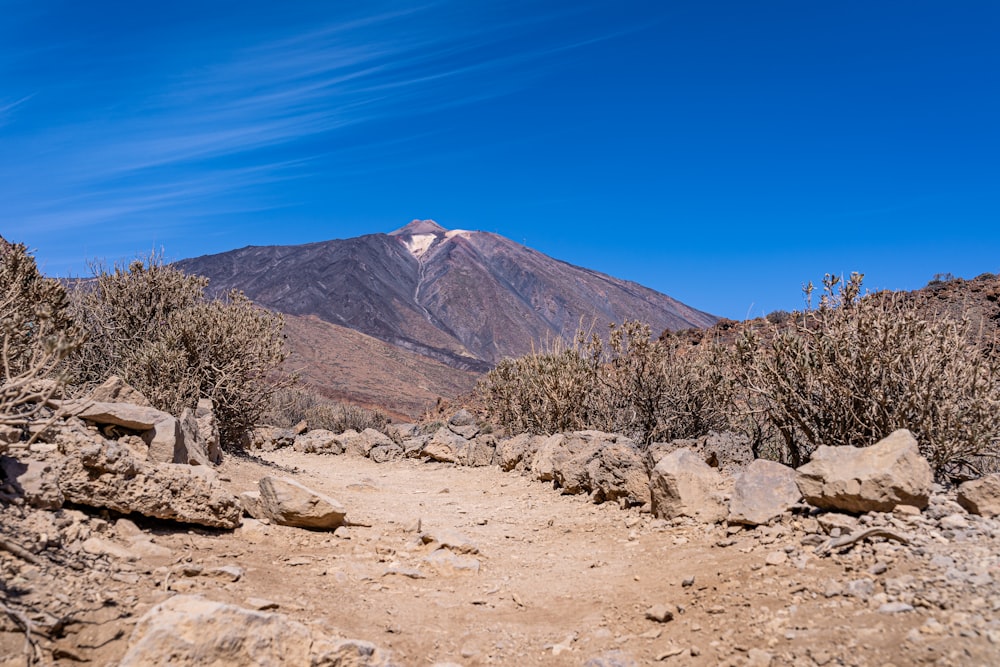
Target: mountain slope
(467,299)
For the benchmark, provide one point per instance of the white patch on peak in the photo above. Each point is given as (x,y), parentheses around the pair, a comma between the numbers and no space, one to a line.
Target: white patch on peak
(457,232)
(419,243)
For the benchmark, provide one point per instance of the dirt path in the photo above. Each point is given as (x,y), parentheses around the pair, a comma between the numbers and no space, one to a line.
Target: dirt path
(560,580)
(532,577)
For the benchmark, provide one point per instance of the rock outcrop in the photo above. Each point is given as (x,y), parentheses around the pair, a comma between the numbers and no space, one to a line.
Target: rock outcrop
(878,478)
(190,630)
(107,474)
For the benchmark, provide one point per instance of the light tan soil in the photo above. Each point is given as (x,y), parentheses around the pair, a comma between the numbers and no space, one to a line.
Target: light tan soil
(560,582)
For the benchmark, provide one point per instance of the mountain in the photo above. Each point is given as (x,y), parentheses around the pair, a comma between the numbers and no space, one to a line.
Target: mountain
(349,366)
(464,298)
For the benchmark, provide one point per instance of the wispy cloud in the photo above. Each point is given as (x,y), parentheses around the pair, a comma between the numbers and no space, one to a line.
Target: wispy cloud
(234,121)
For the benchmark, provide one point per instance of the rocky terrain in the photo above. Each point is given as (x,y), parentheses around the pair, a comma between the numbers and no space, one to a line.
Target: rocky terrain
(127,537)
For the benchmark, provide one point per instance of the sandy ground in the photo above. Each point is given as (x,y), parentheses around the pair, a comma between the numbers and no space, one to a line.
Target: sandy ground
(545,579)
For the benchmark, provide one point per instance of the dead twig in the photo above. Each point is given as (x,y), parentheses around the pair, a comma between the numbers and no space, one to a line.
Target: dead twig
(32,648)
(19,551)
(847,540)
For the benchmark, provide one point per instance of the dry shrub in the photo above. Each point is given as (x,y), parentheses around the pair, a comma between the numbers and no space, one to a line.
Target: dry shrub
(36,333)
(647,389)
(290,406)
(859,367)
(152,325)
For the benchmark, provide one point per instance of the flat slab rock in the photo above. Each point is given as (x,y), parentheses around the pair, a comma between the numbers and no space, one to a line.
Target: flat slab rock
(289,503)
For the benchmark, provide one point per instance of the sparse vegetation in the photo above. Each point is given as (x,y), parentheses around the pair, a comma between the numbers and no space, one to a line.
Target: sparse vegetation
(289,406)
(152,325)
(647,389)
(861,366)
(847,372)
(36,334)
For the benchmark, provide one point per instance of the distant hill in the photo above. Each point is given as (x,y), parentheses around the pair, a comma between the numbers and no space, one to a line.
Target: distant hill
(466,299)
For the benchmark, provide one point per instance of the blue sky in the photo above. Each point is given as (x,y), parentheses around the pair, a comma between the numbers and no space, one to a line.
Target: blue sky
(721,152)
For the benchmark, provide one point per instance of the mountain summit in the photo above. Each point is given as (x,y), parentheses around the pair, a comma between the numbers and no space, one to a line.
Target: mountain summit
(465,298)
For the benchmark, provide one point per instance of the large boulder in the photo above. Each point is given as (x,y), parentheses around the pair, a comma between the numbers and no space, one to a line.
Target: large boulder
(605,465)
(446,446)
(543,463)
(981,496)
(872,479)
(107,474)
(318,441)
(729,452)
(464,424)
(762,492)
(286,502)
(481,451)
(188,630)
(682,484)
(616,472)
(517,452)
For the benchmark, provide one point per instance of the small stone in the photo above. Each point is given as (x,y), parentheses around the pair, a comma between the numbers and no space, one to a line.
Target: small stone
(776,558)
(261,604)
(878,568)
(894,608)
(954,522)
(688,582)
(660,613)
(227,572)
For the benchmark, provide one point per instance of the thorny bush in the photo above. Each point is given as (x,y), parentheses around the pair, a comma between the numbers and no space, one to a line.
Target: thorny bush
(36,334)
(289,406)
(153,325)
(861,366)
(650,390)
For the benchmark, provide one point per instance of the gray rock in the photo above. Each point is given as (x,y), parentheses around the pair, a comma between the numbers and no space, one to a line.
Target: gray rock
(729,452)
(878,478)
(682,484)
(481,451)
(190,449)
(286,502)
(116,390)
(208,429)
(462,418)
(764,491)
(161,431)
(660,613)
(981,496)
